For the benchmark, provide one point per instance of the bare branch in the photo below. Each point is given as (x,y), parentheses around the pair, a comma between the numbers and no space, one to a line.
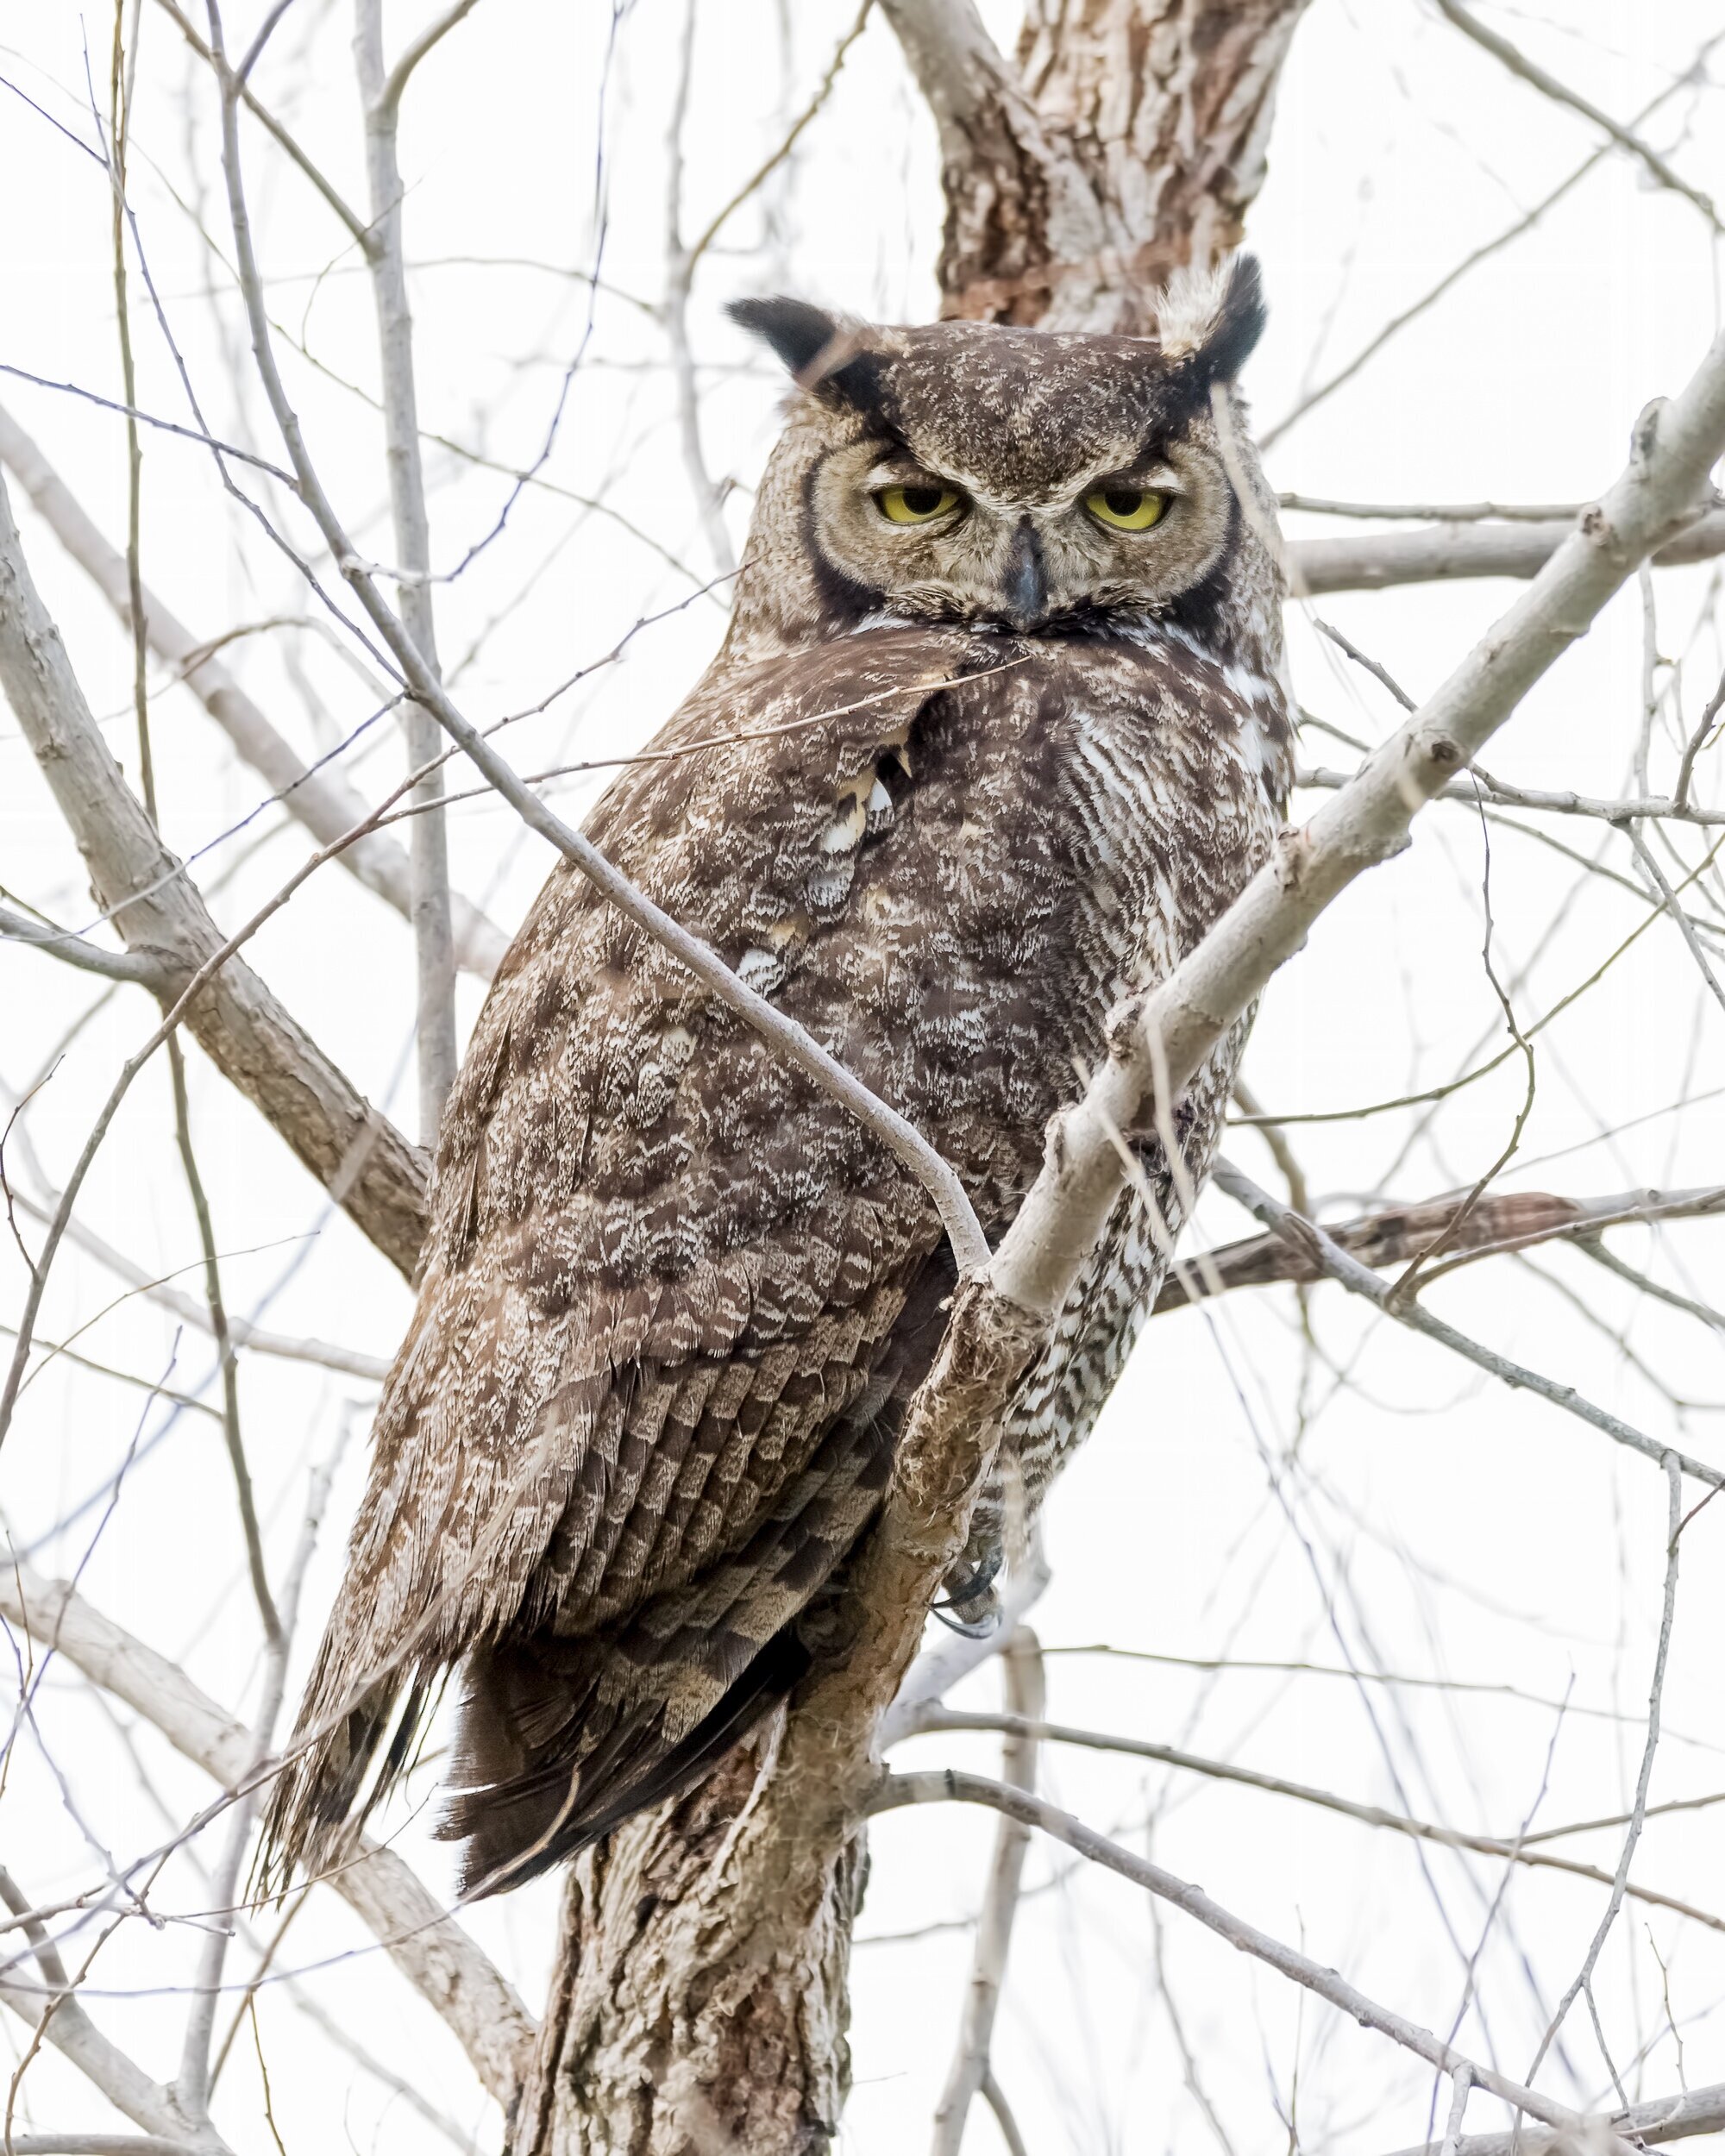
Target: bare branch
(427,1946)
(1450,551)
(970,2070)
(1529,70)
(358,231)
(1685,927)
(1334,1261)
(952,1787)
(389,97)
(429,845)
(244,1334)
(1399,322)
(804,119)
(53,2009)
(321,799)
(1507,1220)
(1584,1976)
(1497,792)
(1511,1849)
(98,2145)
(1665,2119)
(137,967)
(237,1021)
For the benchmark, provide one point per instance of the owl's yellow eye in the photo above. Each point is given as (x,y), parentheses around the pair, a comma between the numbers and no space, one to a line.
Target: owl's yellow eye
(1126,508)
(915,504)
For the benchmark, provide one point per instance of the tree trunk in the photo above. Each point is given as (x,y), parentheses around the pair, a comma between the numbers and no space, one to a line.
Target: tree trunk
(700,1999)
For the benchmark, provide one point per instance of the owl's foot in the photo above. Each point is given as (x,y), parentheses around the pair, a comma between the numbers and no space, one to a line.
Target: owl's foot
(972,1604)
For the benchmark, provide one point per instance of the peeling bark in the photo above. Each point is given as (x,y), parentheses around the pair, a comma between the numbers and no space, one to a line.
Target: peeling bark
(1128,141)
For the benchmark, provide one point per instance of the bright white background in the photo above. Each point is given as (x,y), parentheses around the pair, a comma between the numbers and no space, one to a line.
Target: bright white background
(1382,1506)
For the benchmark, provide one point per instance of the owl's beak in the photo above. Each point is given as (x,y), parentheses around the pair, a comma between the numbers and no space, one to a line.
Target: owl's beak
(1025,586)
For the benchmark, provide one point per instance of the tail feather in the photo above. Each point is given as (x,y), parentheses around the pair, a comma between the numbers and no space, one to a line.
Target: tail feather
(534,1787)
(320,1800)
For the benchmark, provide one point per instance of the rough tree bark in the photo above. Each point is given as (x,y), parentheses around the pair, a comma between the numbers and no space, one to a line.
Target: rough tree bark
(699,2003)
(1127,142)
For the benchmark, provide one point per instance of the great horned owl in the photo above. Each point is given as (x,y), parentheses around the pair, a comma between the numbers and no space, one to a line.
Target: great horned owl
(997,732)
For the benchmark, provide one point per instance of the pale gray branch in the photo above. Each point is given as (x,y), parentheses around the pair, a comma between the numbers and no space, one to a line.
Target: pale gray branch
(322,800)
(1448,551)
(1672,2118)
(337,1134)
(257,1338)
(137,967)
(970,2070)
(933,1718)
(52,2006)
(1332,1259)
(428,843)
(952,1787)
(427,1946)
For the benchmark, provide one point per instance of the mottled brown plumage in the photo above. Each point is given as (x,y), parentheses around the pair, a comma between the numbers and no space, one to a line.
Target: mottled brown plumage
(946,795)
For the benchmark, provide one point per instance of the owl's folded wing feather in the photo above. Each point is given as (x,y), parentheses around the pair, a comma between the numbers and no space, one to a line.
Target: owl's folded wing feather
(662,1270)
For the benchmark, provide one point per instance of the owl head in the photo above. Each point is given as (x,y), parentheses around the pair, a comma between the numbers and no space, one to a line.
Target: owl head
(1040,483)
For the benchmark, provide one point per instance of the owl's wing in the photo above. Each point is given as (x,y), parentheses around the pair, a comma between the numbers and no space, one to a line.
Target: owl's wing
(638,1416)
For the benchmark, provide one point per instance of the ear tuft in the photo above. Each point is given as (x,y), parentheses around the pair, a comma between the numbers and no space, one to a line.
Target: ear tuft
(820,352)
(1209,321)
(798,333)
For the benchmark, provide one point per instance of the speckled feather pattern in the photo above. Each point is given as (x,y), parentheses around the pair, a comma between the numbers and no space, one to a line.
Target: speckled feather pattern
(675,1297)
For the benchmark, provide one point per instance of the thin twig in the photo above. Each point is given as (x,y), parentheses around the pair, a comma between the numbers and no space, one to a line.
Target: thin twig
(1655,1697)
(970,2069)
(1515,1848)
(1334,1261)
(952,1787)
(1529,70)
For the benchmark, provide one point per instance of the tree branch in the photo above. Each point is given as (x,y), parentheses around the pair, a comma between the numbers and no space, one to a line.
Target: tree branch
(137,967)
(427,1946)
(952,1787)
(1665,2119)
(376,1176)
(321,799)
(971,2069)
(1450,551)
(1518,63)
(1351,1274)
(53,2009)
(1510,1220)
(429,844)
(1512,1850)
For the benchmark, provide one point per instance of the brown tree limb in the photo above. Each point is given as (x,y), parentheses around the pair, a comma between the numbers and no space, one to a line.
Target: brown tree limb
(1505,1220)
(376,1176)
